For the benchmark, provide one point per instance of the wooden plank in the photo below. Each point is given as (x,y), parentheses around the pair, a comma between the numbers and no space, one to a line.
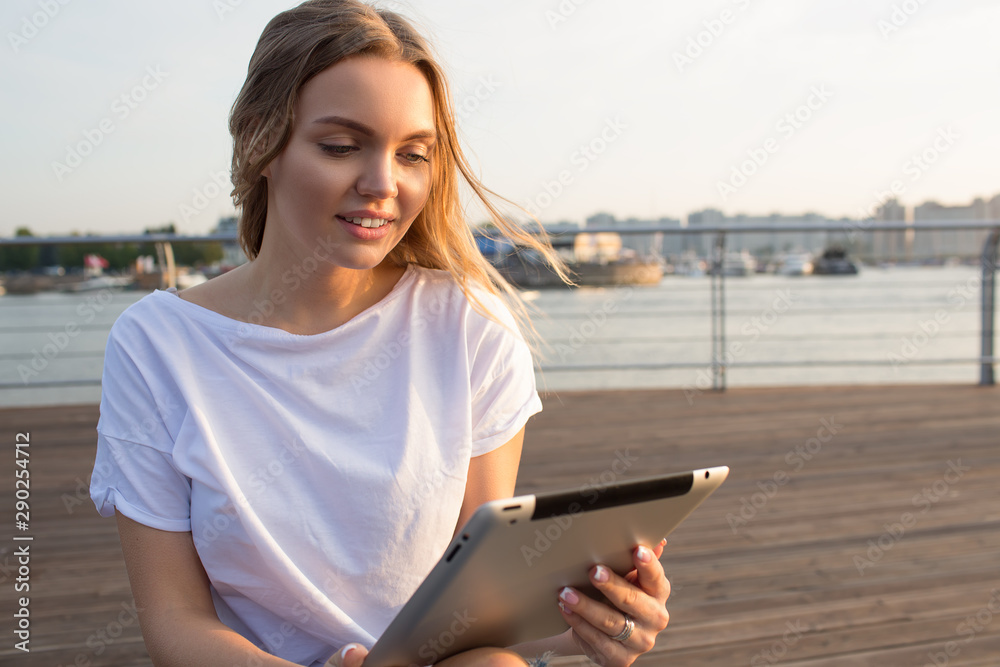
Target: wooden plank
(821,551)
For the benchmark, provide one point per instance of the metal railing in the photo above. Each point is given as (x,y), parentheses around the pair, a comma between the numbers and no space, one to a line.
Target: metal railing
(721,233)
(718,310)
(989,265)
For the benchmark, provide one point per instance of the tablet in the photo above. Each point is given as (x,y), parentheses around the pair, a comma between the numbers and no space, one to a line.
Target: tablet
(498,582)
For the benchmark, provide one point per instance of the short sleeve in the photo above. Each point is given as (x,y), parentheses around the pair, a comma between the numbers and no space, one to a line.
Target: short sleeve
(142,483)
(134,469)
(504,392)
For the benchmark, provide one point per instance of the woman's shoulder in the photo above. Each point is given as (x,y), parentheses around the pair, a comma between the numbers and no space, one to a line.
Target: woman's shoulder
(443,284)
(220,295)
(162,315)
(482,311)
(151,310)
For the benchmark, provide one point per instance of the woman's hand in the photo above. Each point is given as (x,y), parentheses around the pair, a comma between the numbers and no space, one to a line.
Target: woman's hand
(641,595)
(353,655)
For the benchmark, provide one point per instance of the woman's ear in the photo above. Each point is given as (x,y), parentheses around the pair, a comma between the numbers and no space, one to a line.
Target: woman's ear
(262,144)
(258,153)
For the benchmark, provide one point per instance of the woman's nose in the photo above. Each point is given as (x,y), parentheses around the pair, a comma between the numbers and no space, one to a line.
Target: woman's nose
(378,179)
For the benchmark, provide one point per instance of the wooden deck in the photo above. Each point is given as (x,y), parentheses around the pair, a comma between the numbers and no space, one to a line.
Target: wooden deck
(859,526)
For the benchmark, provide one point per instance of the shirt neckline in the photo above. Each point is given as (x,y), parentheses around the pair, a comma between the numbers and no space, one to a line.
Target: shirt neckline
(247,329)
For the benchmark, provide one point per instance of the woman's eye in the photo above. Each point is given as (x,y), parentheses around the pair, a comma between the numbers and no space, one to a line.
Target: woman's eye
(414,158)
(336,149)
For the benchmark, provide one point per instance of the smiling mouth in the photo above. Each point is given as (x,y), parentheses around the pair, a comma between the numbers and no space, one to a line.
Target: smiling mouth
(370,223)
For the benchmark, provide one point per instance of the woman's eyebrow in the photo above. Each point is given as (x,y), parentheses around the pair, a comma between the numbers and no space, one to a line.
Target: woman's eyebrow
(368,131)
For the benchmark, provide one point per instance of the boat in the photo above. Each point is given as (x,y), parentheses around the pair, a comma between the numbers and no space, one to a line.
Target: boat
(834,262)
(526,271)
(593,260)
(95,283)
(190,279)
(183,278)
(27,283)
(690,265)
(735,264)
(794,264)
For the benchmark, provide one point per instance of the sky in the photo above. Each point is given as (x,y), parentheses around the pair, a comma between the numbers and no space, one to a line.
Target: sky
(115,111)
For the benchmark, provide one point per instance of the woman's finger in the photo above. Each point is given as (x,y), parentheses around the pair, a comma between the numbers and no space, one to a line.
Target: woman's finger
(644,600)
(658,549)
(642,592)
(604,618)
(650,576)
(632,576)
(595,642)
(351,655)
(648,614)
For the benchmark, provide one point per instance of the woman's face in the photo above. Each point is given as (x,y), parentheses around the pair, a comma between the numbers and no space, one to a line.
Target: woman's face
(356,170)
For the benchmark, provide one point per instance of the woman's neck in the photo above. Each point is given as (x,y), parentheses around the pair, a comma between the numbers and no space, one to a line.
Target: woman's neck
(298,301)
(311,296)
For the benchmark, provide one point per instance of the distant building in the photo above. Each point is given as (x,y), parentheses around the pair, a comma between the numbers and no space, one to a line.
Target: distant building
(232,254)
(671,245)
(888,245)
(853,235)
(701,244)
(644,245)
(601,220)
(943,243)
(764,244)
(993,208)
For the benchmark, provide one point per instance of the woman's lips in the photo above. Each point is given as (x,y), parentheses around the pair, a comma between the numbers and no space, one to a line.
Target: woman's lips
(366,228)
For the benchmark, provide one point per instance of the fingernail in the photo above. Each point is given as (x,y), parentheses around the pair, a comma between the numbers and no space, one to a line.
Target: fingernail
(347,649)
(600,573)
(644,554)
(569,596)
(663,542)
(565,609)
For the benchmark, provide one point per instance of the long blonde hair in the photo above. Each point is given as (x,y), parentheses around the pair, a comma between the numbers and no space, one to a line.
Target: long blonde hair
(302,42)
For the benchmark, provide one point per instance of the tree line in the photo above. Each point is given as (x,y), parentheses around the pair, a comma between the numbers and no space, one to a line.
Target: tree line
(120,256)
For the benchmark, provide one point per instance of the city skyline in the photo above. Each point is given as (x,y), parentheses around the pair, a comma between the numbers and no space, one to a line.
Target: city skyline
(857,235)
(886,208)
(734,105)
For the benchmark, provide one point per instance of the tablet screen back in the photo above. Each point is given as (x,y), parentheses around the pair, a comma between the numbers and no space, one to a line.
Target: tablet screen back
(498,582)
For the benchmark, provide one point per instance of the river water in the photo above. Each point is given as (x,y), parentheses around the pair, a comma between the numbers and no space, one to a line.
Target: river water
(885,326)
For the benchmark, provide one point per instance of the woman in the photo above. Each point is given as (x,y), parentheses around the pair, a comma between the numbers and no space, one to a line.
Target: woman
(289,447)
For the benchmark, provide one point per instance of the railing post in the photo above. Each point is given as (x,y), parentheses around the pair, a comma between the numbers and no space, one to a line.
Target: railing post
(989,269)
(165,255)
(718,297)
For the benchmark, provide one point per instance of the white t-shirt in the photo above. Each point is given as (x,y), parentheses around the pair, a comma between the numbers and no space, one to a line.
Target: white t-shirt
(321,476)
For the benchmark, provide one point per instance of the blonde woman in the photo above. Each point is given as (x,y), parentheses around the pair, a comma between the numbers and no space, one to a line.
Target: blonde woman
(289,447)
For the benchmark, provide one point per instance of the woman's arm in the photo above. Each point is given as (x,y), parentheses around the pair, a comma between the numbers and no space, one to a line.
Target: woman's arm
(176,613)
(491,476)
